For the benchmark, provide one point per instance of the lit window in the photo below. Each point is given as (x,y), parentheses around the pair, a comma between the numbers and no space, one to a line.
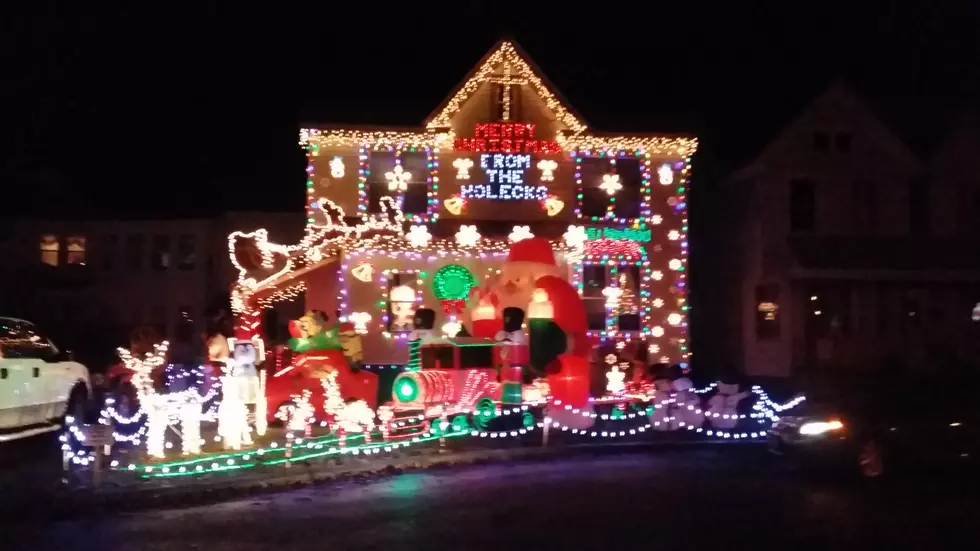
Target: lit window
(49,249)
(75,245)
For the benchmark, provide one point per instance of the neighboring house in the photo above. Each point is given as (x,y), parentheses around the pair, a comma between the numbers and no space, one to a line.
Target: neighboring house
(101,278)
(850,251)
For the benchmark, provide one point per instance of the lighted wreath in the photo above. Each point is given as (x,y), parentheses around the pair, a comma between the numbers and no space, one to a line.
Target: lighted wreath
(451,285)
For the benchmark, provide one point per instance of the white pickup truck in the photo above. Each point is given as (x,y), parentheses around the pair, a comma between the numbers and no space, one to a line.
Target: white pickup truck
(39,384)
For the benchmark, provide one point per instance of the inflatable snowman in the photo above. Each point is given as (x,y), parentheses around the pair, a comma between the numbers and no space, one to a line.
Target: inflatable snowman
(723,406)
(663,398)
(687,405)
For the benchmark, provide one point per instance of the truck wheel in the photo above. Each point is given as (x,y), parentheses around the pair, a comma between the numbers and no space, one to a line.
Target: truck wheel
(77,406)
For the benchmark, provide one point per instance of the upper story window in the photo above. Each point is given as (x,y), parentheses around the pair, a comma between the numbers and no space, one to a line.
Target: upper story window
(134,252)
(610,187)
(767,311)
(919,207)
(186,252)
(865,205)
(160,255)
(75,246)
(50,249)
(821,141)
(403,175)
(842,141)
(802,205)
(109,250)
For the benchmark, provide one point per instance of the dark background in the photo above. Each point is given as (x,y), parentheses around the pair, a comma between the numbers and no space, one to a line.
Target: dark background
(146,111)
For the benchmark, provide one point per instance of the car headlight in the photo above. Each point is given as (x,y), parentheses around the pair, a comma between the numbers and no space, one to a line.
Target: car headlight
(814,428)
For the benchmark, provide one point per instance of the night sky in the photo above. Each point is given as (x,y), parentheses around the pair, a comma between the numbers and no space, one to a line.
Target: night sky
(163,113)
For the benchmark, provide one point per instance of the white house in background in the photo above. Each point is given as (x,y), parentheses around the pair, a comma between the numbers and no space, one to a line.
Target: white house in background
(850,251)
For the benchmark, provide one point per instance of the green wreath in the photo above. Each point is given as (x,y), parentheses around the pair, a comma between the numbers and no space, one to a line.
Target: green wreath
(453,282)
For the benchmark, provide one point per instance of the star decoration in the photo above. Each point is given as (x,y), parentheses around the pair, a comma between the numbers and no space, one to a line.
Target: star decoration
(467,236)
(418,236)
(398,179)
(575,236)
(520,233)
(547,167)
(610,184)
(463,166)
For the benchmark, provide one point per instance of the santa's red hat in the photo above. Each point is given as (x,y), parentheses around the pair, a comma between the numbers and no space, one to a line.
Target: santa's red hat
(242,335)
(534,249)
(346,327)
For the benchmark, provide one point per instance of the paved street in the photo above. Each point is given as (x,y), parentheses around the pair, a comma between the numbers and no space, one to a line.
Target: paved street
(666,499)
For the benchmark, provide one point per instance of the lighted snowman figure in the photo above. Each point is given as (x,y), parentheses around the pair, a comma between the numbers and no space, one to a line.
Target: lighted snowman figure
(241,385)
(687,405)
(402,301)
(723,406)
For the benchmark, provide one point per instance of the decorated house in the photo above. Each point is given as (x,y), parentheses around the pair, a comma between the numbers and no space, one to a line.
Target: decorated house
(404,219)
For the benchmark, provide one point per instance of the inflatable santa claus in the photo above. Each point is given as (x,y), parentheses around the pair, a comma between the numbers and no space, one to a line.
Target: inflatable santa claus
(531,280)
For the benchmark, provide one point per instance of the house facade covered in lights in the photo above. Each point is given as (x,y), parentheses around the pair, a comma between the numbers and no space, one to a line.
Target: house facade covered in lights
(398,219)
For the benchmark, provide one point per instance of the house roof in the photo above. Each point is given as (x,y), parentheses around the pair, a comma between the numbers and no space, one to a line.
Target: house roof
(837,94)
(506,50)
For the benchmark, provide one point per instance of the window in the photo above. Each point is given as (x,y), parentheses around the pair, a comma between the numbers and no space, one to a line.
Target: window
(593,282)
(416,197)
(767,311)
(821,142)
(625,313)
(842,142)
(75,246)
(379,163)
(627,204)
(110,244)
(160,258)
(50,249)
(865,205)
(802,205)
(595,200)
(134,252)
(401,302)
(186,255)
(919,207)
(158,319)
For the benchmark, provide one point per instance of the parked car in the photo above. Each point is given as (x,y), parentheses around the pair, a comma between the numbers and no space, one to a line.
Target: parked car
(39,384)
(875,429)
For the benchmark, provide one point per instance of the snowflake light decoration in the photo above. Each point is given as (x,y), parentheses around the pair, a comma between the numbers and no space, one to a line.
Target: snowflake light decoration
(657,331)
(610,184)
(658,303)
(520,233)
(674,235)
(418,236)
(656,219)
(547,167)
(467,236)
(666,175)
(398,179)
(575,236)
(463,166)
(675,264)
(674,319)
(657,275)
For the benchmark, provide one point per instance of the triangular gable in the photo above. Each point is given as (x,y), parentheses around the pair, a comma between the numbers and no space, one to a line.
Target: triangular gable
(837,95)
(506,51)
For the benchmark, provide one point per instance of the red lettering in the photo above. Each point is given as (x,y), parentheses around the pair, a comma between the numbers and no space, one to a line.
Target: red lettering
(531,146)
(507,145)
(494,145)
(530,130)
(519,130)
(507,131)
(494,130)
(480,145)
(517,145)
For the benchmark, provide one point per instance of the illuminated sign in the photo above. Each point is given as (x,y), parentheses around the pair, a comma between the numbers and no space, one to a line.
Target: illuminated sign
(506,137)
(629,234)
(505,175)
